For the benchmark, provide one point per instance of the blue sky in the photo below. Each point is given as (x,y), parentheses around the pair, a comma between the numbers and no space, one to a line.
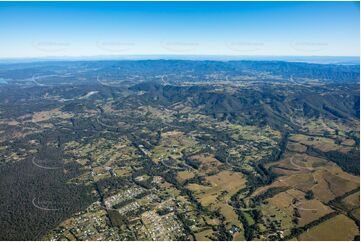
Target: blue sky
(46,29)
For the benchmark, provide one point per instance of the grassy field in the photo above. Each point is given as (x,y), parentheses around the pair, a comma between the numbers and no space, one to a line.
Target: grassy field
(304,172)
(296,147)
(352,201)
(173,144)
(207,163)
(337,228)
(47,115)
(204,235)
(301,173)
(224,182)
(216,195)
(182,176)
(321,143)
(318,210)
(280,209)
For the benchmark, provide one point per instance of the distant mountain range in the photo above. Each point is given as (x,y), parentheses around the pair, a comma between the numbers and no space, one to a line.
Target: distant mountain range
(340,60)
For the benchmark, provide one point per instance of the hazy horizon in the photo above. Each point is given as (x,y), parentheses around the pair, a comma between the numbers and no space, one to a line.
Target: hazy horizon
(347,60)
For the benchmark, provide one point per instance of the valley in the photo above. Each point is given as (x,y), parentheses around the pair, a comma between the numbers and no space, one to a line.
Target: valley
(179,150)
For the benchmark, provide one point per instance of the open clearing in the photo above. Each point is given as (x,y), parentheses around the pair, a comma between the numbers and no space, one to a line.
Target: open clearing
(337,228)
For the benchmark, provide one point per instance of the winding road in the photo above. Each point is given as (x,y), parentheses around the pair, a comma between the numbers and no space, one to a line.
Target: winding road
(43,208)
(45,167)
